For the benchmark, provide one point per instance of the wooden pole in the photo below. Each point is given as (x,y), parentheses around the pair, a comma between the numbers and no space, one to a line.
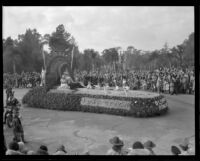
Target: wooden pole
(72,57)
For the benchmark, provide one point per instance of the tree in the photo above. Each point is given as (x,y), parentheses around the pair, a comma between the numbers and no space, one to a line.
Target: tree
(188,53)
(29,46)
(178,54)
(76,57)
(59,41)
(110,55)
(90,58)
(11,56)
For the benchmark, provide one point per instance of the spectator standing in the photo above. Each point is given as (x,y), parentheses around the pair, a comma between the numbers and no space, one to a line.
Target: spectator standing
(17,127)
(158,83)
(171,86)
(8,92)
(192,82)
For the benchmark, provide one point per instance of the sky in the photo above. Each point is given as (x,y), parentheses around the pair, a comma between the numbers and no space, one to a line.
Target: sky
(99,28)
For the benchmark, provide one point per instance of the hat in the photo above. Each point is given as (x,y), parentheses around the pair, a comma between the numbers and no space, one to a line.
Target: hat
(61,148)
(175,150)
(13,145)
(116,141)
(149,144)
(43,147)
(138,145)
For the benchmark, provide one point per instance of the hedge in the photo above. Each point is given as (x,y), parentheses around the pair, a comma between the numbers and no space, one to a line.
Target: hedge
(139,107)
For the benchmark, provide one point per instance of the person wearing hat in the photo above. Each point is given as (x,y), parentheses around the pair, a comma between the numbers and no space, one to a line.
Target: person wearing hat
(13,149)
(117,148)
(8,92)
(149,145)
(138,149)
(43,150)
(17,127)
(175,150)
(188,146)
(60,150)
(11,102)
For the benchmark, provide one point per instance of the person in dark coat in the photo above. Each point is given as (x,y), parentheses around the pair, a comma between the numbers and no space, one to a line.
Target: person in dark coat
(176,84)
(12,102)
(17,127)
(8,92)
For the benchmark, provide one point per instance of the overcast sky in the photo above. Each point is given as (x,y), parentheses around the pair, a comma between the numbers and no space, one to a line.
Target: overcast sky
(145,28)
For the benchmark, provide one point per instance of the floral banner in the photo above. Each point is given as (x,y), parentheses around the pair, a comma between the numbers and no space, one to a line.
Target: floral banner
(107,103)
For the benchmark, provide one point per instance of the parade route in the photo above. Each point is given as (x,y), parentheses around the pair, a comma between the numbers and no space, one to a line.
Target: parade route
(81,131)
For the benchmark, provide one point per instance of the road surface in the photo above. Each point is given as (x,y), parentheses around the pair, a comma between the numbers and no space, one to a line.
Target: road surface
(81,131)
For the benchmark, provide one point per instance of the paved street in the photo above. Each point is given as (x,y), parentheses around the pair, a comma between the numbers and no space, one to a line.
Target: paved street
(80,131)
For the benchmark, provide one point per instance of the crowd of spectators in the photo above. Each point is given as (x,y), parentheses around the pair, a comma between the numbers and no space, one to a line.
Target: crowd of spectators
(23,80)
(163,80)
(117,148)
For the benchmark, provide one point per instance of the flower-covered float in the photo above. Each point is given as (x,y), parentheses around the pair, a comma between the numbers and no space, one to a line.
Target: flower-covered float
(110,101)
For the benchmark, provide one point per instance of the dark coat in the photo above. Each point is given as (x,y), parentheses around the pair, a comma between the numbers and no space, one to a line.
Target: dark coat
(17,125)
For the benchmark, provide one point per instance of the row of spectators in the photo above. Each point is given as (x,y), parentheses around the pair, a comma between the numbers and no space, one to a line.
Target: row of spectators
(23,80)
(164,80)
(138,148)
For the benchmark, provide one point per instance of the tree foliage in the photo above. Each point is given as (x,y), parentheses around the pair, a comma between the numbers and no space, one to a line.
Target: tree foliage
(25,53)
(60,40)
(110,55)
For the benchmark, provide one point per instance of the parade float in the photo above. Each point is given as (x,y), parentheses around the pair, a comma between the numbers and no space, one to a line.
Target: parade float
(55,94)
(98,100)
